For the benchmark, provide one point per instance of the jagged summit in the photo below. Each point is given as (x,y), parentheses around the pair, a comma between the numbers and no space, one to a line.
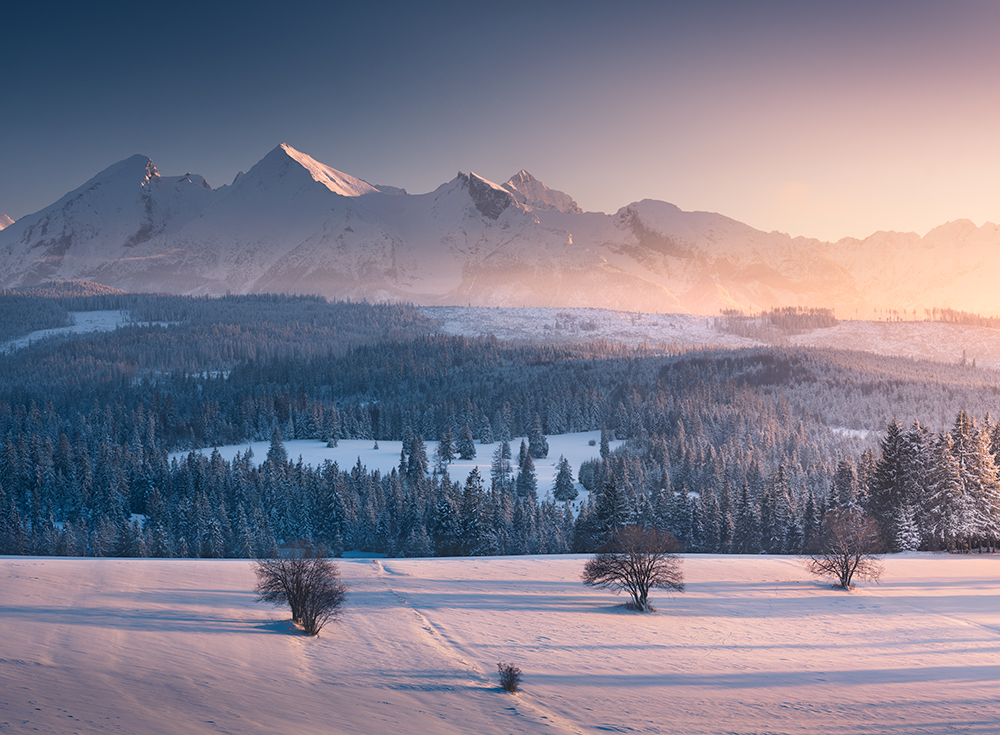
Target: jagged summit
(136,169)
(533,194)
(336,181)
(490,199)
(5,220)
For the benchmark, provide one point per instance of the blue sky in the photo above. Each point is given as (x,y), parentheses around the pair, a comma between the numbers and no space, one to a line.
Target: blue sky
(818,119)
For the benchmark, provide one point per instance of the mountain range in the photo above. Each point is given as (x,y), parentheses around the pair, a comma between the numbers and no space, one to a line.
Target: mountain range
(291,224)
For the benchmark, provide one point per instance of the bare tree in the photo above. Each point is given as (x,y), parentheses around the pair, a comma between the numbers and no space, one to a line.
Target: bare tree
(636,560)
(302,577)
(849,546)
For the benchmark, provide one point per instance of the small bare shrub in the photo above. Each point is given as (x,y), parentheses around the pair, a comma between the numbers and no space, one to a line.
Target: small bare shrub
(510,677)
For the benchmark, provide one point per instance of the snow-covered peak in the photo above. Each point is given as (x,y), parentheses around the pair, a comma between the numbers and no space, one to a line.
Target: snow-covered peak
(490,199)
(5,220)
(336,181)
(533,194)
(137,169)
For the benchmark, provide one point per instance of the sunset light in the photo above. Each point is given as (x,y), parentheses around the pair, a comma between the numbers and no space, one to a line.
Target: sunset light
(525,367)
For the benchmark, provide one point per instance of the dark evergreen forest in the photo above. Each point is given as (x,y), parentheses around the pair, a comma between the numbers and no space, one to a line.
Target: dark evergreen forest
(733,451)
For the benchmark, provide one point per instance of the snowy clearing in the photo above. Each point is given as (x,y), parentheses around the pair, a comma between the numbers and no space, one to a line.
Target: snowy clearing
(576,447)
(573,325)
(83,322)
(918,340)
(756,645)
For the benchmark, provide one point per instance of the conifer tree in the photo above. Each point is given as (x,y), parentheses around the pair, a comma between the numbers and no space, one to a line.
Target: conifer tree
(612,507)
(564,489)
(944,511)
(538,445)
(447,533)
(887,492)
(416,467)
(466,446)
(500,472)
(445,452)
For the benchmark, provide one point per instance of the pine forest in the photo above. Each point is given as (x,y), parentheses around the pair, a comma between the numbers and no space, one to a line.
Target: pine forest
(732,451)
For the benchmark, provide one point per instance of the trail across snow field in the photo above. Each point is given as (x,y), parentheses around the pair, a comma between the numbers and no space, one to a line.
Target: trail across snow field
(756,645)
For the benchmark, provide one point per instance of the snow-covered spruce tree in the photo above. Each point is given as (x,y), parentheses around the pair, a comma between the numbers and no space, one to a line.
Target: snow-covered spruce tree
(277,456)
(907,532)
(527,482)
(887,492)
(564,489)
(416,467)
(538,445)
(636,560)
(473,524)
(465,445)
(980,480)
(612,508)
(445,452)
(845,485)
(447,527)
(944,514)
(747,533)
(500,472)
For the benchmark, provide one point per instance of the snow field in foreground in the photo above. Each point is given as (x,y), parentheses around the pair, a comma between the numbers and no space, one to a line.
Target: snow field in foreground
(756,645)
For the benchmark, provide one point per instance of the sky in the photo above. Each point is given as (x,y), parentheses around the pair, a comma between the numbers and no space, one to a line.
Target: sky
(818,119)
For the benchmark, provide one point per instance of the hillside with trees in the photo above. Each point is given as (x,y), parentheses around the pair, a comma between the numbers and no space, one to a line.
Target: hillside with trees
(736,451)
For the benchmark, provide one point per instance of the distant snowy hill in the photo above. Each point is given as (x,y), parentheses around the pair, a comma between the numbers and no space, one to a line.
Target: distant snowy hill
(5,221)
(292,224)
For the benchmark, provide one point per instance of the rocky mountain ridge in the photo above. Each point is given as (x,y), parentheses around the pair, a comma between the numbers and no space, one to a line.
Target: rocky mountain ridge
(292,224)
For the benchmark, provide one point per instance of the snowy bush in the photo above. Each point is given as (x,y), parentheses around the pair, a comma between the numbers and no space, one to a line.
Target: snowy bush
(510,677)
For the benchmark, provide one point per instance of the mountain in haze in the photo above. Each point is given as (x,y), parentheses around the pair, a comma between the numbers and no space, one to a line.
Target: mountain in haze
(5,221)
(292,224)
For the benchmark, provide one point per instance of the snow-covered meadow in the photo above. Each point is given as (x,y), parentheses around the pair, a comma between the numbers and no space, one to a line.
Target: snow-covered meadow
(577,448)
(83,322)
(755,645)
(947,343)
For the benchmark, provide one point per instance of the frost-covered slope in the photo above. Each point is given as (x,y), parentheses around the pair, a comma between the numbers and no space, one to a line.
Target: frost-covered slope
(919,340)
(103,229)
(755,645)
(294,224)
(5,221)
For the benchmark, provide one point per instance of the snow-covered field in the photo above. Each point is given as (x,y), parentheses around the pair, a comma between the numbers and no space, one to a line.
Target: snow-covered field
(83,322)
(575,447)
(572,325)
(755,645)
(920,340)
(946,343)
